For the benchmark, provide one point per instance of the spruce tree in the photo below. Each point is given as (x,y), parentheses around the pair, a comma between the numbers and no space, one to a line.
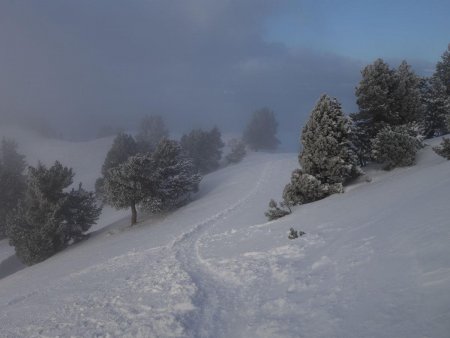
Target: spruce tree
(443,149)
(261,130)
(327,150)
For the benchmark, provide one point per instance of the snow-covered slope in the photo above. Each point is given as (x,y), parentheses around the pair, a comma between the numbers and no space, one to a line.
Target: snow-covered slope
(375,262)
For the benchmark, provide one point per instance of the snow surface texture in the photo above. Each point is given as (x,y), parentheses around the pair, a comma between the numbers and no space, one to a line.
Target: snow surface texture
(375,262)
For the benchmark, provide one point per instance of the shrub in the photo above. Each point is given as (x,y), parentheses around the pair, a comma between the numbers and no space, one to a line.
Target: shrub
(395,147)
(305,188)
(443,149)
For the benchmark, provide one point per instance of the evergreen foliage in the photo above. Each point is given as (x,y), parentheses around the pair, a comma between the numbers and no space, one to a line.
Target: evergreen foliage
(406,96)
(177,177)
(443,149)
(387,97)
(305,188)
(443,69)
(47,219)
(260,133)
(375,96)
(12,180)
(395,147)
(360,140)
(276,211)
(122,148)
(204,148)
(237,152)
(156,182)
(152,130)
(327,149)
(436,107)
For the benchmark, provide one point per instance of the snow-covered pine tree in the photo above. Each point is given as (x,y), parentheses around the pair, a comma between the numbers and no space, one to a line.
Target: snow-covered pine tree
(406,96)
(237,151)
(48,218)
(395,147)
(122,148)
(204,148)
(156,182)
(327,150)
(260,133)
(80,211)
(177,177)
(375,97)
(436,107)
(443,69)
(12,180)
(152,130)
(129,183)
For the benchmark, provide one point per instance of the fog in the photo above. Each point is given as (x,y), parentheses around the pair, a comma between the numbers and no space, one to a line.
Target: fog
(82,65)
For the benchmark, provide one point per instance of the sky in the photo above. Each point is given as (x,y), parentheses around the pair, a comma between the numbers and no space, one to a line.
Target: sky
(86,64)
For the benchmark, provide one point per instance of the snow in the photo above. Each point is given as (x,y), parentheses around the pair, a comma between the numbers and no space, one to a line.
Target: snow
(375,261)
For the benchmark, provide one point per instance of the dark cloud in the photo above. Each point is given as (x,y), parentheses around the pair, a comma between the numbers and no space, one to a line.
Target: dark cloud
(88,63)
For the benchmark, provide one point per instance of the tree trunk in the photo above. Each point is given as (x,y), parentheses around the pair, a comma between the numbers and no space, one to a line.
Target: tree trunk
(133,213)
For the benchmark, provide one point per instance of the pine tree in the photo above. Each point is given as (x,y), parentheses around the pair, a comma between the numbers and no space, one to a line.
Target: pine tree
(12,180)
(436,107)
(204,148)
(177,177)
(129,183)
(327,151)
(122,148)
(48,218)
(152,130)
(443,69)
(80,211)
(260,133)
(155,182)
(375,97)
(406,96)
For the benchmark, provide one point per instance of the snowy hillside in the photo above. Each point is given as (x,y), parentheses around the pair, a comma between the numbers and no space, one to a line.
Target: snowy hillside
(375,261)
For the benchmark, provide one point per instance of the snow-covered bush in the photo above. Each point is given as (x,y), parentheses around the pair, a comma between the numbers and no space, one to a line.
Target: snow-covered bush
(327,153)
(48,218)
(276,211)
(237,152)
(305,188)
(443,149)
(395,147)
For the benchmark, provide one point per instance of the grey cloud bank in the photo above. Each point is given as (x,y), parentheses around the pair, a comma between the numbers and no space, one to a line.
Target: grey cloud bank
(85,64)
